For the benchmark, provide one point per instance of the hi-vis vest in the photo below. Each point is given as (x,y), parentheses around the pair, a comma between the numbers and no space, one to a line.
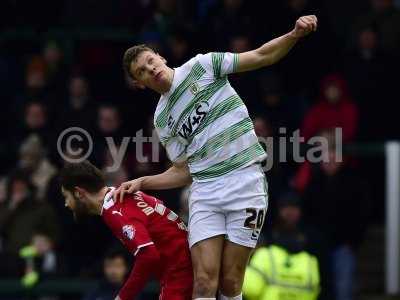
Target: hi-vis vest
(274,274)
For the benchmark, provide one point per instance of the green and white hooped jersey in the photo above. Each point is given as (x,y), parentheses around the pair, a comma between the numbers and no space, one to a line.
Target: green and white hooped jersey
(202,119)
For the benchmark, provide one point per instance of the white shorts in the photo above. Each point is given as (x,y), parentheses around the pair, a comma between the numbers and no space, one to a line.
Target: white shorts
(234,205)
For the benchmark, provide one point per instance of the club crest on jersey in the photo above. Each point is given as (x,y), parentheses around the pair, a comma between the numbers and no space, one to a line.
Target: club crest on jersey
(194,88)
(128,231)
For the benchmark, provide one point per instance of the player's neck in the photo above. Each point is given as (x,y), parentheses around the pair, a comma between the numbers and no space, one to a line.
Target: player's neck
(98,200)
(168,84)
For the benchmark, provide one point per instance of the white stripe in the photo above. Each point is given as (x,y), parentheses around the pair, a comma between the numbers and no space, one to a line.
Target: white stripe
(216,127)
(141,246)
(229,150)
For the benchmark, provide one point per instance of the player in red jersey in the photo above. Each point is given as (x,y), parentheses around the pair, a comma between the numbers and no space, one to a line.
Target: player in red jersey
(148,229)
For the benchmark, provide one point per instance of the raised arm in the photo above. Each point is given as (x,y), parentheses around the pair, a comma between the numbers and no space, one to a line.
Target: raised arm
(272,51)
(176,176)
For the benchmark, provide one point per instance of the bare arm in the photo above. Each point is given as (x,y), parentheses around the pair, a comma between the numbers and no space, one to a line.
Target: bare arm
(176,176)
(274,50)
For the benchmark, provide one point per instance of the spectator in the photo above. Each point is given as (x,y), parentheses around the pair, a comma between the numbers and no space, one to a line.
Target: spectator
(168,15)
(274,104)
(275,170)
(244,84)
(286,268)
(33,160)
(35,122)
(225,19)
(334,109)
(109,125)
(21,207)
(41,260)
(367,68)
(147,156)
(115,269)
(386,17)
(35,80)
(179,49)
(55,67)
(79,110)
(336,193)
(114,174)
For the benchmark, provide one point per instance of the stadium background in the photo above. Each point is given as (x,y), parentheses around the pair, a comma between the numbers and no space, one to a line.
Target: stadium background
(60,66)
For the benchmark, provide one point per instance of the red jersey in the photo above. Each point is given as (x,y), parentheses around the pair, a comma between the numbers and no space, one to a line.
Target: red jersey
(142,220)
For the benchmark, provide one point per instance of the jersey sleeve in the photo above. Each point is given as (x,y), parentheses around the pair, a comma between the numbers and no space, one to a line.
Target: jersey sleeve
(176,151)
(132,233)
(146,264)
(219,64)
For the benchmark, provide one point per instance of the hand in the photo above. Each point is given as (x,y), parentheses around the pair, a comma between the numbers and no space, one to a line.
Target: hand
(16,200)
(305,25)
(128,187)
(117,298)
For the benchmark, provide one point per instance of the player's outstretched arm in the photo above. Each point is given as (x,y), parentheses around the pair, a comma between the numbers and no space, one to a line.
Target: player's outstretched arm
(146,264)
(274,50)
(176,176)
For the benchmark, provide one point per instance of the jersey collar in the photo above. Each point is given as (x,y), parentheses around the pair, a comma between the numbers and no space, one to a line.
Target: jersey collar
(108,199)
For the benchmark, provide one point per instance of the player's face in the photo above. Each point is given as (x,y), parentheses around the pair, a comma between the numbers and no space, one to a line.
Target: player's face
(73,203)
(150,70)
(115,270)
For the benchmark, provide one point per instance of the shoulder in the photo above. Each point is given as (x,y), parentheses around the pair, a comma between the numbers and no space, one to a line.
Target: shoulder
(204,59)
(162,101)
(141,196)
(189,64)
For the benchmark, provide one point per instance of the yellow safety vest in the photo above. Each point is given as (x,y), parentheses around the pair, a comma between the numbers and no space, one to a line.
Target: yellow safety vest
(275,274)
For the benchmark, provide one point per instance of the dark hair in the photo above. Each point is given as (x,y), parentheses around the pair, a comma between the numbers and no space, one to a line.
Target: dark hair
(82,174)
(22,176)
(131,55)
(116,252)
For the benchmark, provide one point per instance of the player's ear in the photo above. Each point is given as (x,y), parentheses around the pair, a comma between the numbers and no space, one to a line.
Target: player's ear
(138,85)
(79,192)
(133,83)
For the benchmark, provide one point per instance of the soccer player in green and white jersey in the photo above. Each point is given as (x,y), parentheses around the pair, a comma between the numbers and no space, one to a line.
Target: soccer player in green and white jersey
(205,127)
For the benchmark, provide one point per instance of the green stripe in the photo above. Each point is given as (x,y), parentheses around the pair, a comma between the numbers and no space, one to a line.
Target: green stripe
(195,73)
(218,111)
(202,96)
(217,58)
(164,141)
(225,137)
(235,62)
(236,161)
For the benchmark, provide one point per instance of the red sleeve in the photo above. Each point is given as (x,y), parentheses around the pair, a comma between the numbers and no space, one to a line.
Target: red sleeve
(131,232)
(302,177)
(147,263)
(350,122)
(310,125)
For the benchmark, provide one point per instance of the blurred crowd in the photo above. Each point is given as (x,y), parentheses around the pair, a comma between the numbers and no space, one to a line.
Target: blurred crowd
(341,76)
